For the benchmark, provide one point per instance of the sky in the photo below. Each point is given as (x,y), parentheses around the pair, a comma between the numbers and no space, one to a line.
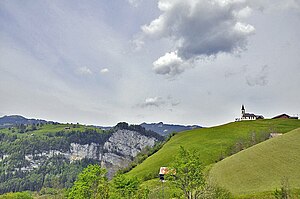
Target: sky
(177,61)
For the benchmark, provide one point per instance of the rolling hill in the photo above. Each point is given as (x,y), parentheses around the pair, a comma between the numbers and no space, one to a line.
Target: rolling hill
(212,143)
(261,168)
(12,120)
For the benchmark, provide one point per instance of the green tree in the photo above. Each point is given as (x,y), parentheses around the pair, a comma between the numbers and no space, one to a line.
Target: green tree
(125,187)
(17,195)
(189,176)
(91,183)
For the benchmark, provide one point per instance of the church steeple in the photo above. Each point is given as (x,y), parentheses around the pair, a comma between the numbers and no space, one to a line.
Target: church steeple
(243,109)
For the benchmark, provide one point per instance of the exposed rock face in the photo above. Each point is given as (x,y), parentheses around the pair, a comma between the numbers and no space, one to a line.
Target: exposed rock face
(128,143)
(122,147)
(78,151)
(117,152)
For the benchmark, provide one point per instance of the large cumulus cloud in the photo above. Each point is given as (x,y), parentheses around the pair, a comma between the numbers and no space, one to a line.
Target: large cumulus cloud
(199,29)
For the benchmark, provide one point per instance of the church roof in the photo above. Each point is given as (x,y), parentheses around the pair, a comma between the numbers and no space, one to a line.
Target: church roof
(249,115)
(243,108)
(253,115)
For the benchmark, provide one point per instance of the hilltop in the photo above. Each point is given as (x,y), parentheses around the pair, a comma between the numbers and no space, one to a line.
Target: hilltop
(11,120)
(213,143)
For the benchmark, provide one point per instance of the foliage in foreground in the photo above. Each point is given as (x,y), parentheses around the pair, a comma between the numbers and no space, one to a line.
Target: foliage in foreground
(92,183)
(284,191)
(18,195)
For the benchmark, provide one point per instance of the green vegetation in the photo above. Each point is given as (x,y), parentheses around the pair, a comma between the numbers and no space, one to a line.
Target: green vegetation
(18,195)
(247,170)
(92,183)
(35,141)
(262,167)
(212,144)
(187,174)
(32,157)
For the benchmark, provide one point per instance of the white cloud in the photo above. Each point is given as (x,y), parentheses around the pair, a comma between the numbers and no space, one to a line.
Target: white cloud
(104,70)
(244,28)
(169,64)
(84,71)
(199,29)
(153,101)
(134,3)
(159,102)
(243,13)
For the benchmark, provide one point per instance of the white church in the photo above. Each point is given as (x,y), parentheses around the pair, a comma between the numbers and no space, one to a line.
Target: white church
(248,116)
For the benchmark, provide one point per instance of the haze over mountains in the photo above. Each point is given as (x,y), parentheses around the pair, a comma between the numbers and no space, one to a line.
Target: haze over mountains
(9,121)
(166,129)
(160,128)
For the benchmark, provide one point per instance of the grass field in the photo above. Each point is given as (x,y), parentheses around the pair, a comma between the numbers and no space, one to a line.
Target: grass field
(261,168)
(209,142)
(53,128)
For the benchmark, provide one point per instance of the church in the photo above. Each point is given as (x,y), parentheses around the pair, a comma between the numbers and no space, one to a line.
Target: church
(248,116)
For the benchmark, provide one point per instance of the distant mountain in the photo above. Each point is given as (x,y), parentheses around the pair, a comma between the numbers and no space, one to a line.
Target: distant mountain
(12,120)
(166,129)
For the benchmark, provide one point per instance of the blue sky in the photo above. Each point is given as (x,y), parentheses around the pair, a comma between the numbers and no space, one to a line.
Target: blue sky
(186,62)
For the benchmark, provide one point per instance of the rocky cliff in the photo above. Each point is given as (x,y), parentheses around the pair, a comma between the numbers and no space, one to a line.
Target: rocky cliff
(114,150)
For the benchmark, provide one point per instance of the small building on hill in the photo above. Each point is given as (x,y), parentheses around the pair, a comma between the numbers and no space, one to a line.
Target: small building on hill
(284,116)
(248,116)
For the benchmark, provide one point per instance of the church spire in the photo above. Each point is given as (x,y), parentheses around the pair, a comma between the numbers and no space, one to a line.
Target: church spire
(243,110)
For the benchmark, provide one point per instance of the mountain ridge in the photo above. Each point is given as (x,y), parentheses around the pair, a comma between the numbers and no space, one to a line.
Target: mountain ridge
(166,129)
(11,120)
(160,127)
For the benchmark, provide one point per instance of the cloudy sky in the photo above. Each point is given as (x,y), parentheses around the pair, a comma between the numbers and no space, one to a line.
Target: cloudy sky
(176,61)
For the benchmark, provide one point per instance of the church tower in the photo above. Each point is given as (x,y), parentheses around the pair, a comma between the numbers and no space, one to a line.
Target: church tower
(243,110)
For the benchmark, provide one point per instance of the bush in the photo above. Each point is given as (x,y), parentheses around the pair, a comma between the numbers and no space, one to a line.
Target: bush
(284,191)
(17,195)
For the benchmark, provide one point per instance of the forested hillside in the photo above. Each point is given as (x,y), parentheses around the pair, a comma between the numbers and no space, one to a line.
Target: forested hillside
(39,155)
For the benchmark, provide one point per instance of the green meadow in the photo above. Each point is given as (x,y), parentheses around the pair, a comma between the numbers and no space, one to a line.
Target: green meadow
(262,167)
(212,143)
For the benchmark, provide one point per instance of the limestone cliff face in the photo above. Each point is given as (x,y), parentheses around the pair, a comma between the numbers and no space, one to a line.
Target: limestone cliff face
(117,152)
(128,143)
(78,151)
(122,147)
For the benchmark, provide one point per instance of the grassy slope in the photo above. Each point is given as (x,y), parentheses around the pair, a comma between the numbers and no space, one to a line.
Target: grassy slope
(261,167)
(51,128)
(210,142)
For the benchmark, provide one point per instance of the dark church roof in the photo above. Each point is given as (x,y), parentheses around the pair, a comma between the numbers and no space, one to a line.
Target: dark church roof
(253,115)
(249,115)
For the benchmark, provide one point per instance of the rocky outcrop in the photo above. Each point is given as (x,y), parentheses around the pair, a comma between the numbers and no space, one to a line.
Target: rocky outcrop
(128,143)
(122,147)
(117,152)
(91,151)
